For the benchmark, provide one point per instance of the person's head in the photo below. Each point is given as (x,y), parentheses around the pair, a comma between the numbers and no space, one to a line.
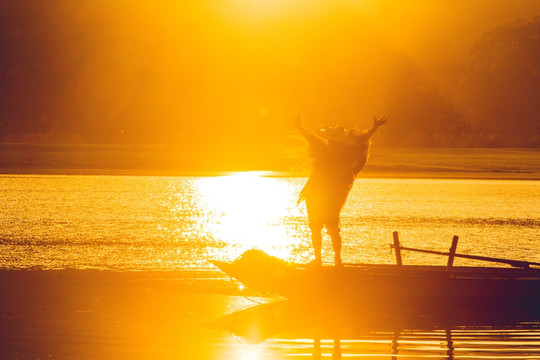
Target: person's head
(339,135)
(359,135)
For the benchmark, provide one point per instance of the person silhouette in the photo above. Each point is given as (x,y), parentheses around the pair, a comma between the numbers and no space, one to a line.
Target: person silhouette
(338,156)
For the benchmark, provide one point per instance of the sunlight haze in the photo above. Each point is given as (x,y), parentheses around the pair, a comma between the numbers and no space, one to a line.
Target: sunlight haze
(232,74)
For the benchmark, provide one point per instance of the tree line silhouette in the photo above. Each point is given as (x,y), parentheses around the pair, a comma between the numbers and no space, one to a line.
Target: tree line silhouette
(492,99)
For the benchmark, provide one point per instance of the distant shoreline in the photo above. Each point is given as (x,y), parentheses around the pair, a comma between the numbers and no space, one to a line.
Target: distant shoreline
(365,175)
(147,160)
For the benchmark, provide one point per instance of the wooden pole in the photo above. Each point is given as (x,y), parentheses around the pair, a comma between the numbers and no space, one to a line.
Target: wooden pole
(452,252)
(397,247)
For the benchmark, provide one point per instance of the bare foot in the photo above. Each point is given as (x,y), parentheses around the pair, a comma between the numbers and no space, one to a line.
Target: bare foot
(315,263)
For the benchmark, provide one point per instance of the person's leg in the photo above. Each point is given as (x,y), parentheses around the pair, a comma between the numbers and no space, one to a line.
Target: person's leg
(316,241)
(334,232)
(314,209)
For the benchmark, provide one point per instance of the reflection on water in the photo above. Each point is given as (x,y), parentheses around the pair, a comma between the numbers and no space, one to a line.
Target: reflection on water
(248,211)
(298,332)
(443,344)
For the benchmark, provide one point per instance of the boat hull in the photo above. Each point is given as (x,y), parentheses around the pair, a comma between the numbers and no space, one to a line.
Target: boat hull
(389,285)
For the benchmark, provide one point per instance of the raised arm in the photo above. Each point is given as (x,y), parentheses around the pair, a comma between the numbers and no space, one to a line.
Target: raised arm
(376,124)
(308,135)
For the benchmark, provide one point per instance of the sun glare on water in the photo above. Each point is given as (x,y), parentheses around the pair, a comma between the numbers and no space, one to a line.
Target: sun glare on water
(249,210)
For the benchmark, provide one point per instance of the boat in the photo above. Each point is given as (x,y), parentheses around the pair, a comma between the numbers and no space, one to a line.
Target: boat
(381,286)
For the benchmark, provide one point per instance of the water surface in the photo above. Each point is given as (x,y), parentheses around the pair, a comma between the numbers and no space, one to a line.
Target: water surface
(178,223)
(175,224)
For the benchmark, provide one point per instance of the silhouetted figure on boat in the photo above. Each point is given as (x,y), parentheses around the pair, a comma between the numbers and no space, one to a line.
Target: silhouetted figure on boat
(338,156)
